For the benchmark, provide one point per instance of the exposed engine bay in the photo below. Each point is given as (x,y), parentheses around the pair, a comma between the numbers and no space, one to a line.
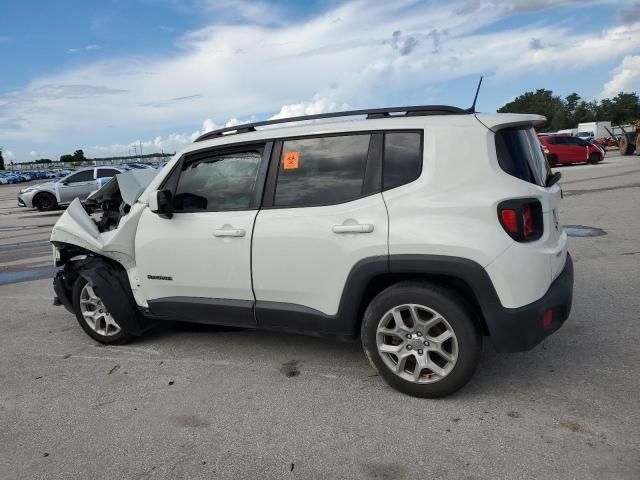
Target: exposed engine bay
(114,200)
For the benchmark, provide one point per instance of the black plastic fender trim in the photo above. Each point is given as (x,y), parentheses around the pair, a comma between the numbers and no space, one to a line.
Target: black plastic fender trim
(111,284)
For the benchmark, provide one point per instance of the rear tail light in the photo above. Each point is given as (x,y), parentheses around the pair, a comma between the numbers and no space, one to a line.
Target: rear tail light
(521,219)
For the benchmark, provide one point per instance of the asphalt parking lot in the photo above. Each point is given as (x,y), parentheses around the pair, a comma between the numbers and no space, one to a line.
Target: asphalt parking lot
(203,402)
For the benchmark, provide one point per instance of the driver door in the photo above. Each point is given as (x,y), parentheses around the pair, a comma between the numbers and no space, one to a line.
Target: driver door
(196,265)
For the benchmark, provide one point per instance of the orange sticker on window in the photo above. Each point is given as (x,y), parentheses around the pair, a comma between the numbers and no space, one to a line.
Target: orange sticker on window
(291,160)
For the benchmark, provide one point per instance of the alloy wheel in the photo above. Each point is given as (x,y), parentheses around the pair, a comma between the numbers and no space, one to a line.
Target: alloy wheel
(95,314)
(417,343)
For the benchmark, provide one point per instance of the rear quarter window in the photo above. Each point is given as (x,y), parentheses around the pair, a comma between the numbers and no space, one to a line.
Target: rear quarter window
(520,154)
(402,162)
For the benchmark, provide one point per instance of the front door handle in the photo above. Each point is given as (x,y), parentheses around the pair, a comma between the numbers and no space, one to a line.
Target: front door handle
(357,228)
(229,232)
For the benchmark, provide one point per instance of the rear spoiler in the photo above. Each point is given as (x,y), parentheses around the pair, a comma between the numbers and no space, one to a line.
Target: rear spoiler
(496,121)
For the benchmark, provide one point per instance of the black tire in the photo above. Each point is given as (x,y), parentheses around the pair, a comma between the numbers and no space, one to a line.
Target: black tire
(594,158)
(625,142)
(553,160)
(45,202)
(119,338)
(449,305)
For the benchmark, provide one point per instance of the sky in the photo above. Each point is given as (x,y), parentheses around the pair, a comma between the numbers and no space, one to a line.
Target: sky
(106,75)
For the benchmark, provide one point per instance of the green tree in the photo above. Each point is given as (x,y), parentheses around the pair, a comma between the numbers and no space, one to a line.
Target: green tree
(568,113)
(78,156)
(1,160)
(541,102)
(67,158)
(622,109)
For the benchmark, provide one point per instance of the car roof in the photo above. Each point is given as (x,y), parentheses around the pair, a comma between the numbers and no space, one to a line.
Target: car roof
(399,122)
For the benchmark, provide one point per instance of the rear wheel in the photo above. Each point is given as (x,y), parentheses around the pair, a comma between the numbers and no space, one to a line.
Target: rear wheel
(625,144)
(421,339)
(45,201)
(594,157)
(93,316)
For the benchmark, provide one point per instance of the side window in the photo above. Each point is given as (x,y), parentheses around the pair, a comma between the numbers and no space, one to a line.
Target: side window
(83,176)
(107,172)
(402,161)
(219,181)
(321,171)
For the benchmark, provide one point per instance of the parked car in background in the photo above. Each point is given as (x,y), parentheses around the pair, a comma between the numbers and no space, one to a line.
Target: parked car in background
(60,192)
(10,178)
(565,149)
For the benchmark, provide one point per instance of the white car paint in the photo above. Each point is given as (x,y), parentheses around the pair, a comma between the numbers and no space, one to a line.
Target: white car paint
(300,258)
(296,257)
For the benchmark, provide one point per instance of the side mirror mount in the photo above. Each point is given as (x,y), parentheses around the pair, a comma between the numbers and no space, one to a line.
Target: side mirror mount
(160,202)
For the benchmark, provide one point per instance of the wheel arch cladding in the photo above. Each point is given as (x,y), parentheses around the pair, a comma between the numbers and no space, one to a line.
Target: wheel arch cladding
(370,276)
(111,283)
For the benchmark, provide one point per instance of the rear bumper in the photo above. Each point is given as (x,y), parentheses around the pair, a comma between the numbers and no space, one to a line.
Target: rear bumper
(519,329)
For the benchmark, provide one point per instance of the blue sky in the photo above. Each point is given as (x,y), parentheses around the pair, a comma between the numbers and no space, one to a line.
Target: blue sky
(103,75)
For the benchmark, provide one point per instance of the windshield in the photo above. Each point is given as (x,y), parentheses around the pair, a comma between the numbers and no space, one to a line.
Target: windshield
(520,154)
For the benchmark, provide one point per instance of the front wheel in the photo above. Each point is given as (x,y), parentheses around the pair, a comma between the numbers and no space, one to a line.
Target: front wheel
(93,316)
(421,339)
(45,202)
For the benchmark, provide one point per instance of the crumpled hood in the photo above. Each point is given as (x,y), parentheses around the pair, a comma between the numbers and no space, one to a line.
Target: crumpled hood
(131,184)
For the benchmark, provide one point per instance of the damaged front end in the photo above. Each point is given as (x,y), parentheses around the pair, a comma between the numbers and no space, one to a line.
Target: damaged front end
(96,241)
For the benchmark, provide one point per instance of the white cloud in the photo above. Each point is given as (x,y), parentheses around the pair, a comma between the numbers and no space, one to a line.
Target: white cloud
(313,107)
(626,78)
(254,65)
(8,155)
(86,48)
(33,153)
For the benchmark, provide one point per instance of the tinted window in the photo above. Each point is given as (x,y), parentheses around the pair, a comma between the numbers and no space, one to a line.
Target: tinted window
(402,158)
(218,182)
(321,171)
(107,172)
(520,154)
(83,176)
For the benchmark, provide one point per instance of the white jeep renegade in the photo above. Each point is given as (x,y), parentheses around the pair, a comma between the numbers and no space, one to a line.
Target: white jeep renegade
(418,229)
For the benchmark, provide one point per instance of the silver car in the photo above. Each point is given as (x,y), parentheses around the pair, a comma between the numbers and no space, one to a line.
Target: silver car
(62,191)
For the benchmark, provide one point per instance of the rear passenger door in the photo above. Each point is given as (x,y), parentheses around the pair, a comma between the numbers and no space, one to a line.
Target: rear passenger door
(322,213)
(579,149)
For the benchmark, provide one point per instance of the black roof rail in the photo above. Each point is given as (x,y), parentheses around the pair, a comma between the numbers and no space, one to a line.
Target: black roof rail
(420,110)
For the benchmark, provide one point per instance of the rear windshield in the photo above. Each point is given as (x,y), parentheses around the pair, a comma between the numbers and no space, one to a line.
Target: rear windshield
(520,154)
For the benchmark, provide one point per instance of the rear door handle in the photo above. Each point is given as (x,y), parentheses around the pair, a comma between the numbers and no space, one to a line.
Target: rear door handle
(357,228)
(229,232)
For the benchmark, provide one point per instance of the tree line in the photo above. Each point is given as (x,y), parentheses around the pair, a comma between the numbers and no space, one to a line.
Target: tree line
(568,112)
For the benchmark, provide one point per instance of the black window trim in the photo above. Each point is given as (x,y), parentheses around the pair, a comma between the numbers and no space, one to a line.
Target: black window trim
(93,176)
(269,163)
(102,169)
(170,182)
(421,150)
(374,168)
